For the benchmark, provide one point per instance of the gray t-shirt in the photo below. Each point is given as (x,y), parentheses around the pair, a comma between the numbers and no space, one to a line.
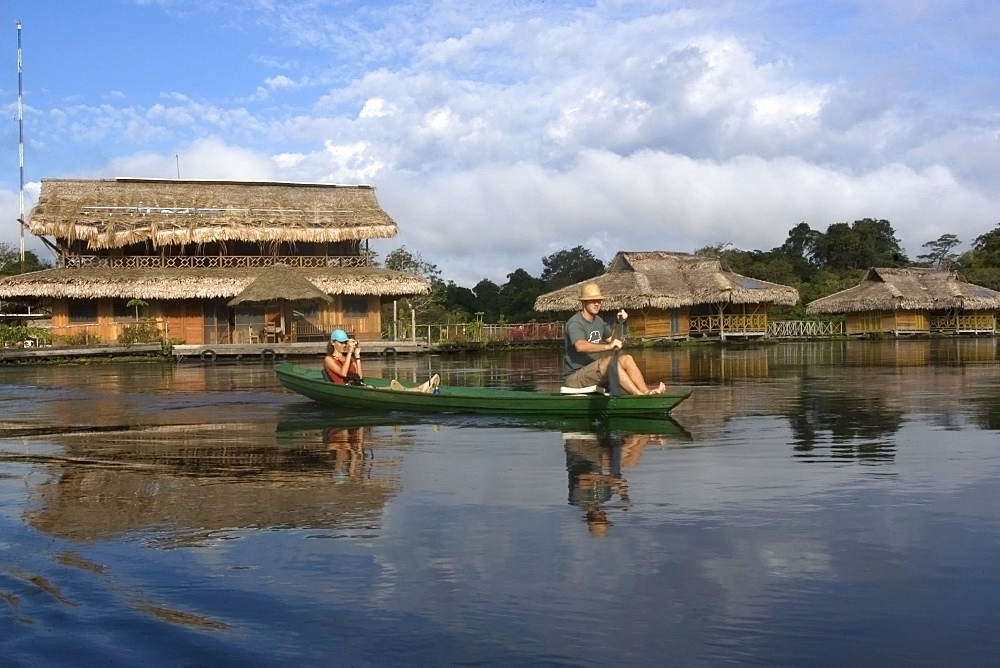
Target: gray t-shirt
(578,328)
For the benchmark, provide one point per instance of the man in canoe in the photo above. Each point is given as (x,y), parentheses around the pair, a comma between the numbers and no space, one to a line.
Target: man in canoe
(591,348)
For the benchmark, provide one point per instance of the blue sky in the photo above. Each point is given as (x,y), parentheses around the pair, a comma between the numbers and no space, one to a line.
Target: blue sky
(499,132)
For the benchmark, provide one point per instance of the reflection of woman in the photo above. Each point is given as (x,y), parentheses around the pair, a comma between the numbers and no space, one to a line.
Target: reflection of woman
(342,364)
(347,448)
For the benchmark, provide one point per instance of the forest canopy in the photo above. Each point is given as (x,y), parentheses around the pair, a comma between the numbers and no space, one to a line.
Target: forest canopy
(816,263)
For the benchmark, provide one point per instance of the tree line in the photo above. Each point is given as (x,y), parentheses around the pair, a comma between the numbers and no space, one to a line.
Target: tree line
(816,263)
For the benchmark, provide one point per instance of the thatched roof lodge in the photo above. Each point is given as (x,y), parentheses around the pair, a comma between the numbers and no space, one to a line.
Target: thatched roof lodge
(678,296)
(158,213)
(186,249)
(913,301)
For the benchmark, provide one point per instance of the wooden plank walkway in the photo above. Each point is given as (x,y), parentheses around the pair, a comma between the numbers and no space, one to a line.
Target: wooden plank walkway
(63,352)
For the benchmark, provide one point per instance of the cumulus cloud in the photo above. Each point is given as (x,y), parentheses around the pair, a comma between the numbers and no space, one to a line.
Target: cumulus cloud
(504,132)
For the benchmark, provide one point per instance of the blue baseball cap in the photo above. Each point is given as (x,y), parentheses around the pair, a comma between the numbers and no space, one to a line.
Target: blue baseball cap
(339,335)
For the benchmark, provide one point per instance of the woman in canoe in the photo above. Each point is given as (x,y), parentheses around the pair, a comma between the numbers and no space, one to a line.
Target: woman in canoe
(342,365)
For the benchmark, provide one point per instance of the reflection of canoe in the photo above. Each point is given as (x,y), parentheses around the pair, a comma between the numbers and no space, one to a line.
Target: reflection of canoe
(309,417)
(310,383)
(298,417)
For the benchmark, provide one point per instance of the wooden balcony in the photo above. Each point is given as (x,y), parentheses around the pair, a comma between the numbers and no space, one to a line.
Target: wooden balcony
(215,261)
(964,324)
(753,324)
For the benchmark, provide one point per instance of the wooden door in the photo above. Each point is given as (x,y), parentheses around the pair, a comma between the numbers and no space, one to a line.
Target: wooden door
(185,321)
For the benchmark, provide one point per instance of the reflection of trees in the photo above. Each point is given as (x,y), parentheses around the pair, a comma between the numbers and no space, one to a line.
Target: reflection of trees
(194,481)
(985,412)
(853,429)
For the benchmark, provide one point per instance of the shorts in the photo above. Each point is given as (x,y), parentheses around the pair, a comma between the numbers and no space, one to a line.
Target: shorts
(585,377)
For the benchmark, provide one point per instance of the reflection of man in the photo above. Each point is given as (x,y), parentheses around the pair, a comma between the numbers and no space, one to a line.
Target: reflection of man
(594,463)
(347,448)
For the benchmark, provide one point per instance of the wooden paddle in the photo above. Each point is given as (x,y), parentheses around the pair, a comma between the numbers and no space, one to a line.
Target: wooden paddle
(617,332)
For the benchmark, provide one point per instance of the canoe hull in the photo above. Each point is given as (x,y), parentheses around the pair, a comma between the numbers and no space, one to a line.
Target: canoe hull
(310,383)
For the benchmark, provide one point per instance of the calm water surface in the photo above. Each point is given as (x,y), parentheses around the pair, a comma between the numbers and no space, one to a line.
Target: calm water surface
(821,504)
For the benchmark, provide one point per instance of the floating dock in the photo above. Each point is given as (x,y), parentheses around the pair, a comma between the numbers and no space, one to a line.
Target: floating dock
(271,351)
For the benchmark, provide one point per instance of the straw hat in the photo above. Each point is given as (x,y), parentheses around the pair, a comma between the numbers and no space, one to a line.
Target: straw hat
(591,292)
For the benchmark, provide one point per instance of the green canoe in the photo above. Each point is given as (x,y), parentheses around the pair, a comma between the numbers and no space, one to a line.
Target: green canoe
(378,397)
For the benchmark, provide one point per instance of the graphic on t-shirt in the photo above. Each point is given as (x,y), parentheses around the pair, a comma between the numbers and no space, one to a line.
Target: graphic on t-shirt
(595,337)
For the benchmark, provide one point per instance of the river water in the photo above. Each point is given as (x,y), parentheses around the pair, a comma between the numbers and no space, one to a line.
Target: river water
(833,503)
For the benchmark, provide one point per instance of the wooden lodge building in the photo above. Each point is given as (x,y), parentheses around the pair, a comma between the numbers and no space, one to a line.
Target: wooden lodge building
(913,301)
(679,296)
(211,262)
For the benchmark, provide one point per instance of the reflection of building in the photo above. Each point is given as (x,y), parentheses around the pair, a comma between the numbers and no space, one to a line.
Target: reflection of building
(913,301)
(679,296)
(196,481)
(178,251)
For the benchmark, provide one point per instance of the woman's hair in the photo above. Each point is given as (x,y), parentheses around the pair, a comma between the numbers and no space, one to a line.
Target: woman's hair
(329,348)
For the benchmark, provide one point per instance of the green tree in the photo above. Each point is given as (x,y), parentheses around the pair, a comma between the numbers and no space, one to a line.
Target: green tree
(799,249)
(488,300)
(940,253)
(517,296)
(986,249)
(570,266)
(827,283)
(10,261)
(459,299)
(412,263)
(981,264)
(431,307)
(801,241)
(863,244)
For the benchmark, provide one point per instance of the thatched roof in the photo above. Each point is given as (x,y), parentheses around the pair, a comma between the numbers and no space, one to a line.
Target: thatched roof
(279,282)
(660,279)
(199,283)
(111,213)
(889,289)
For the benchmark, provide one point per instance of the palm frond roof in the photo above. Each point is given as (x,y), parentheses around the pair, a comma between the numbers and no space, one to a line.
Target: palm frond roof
(666,280)
(111,213)
(890,288)
(174,283)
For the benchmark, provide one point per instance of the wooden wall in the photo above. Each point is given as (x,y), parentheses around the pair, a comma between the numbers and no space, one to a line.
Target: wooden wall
(185,320)
(658,323)
(887,322)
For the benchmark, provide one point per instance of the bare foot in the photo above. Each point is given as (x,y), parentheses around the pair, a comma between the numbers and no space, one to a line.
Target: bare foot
(660,389)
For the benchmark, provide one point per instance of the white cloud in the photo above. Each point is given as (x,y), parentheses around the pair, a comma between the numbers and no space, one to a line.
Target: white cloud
(660,201)
(375,107)
(207,158)
(498,133)
(281,82)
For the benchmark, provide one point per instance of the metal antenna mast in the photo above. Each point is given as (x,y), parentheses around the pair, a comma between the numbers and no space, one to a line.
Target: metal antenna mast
(20,141)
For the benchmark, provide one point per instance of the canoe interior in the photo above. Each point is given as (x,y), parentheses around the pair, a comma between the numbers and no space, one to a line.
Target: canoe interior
(475,400)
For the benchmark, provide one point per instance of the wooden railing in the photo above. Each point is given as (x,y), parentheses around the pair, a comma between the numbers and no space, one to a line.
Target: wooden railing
(216,261)
(800,329)
(963,323)
(480,332)
(755,323)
